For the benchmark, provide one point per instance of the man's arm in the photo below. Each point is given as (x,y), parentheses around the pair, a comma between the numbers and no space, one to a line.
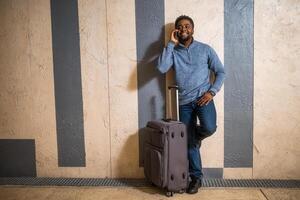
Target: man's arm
(165,60)
(217,67)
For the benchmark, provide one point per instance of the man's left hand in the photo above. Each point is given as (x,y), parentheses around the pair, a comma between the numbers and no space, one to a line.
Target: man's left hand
(205,99)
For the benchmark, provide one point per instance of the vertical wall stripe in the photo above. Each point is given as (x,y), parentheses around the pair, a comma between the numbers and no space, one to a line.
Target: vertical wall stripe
(150,36)
(67,83)
(212,172)
(238,87)
(17,158)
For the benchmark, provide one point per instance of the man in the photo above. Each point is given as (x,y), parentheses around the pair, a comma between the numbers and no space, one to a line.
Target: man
(193,61)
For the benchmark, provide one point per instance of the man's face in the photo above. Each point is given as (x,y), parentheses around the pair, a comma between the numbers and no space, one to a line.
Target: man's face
(186,30)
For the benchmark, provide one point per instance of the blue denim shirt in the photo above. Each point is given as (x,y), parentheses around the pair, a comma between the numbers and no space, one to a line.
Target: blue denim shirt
(192,69)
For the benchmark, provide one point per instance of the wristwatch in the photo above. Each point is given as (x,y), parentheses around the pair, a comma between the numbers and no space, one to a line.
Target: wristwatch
(212,93)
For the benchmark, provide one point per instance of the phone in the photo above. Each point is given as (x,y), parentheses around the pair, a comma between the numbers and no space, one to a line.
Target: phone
(176,35)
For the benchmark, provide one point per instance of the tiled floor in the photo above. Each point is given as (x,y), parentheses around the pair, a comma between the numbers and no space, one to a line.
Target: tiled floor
(137,193)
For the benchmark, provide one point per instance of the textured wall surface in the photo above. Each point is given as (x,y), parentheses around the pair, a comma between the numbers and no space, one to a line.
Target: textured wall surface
(95,91)
(238,86)
(123,103)
(116,102)
(27,89)
(67,83)
(277,89)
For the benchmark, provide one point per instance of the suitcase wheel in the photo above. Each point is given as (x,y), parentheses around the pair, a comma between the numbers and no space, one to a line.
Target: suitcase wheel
(181,191)
(169,194)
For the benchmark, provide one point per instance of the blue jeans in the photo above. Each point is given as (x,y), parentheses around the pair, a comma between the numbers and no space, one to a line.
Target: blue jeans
(207,116)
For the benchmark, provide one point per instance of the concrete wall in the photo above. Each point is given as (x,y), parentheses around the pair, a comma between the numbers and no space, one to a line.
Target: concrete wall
(276,96)
(108,94)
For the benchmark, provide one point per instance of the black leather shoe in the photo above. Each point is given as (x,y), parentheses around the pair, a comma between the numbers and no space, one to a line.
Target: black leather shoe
(193,186)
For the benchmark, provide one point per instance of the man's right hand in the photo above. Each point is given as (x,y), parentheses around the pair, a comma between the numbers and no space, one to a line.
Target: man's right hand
(173,37)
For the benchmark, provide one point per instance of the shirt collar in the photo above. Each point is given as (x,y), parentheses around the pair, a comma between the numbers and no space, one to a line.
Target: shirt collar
(191,45)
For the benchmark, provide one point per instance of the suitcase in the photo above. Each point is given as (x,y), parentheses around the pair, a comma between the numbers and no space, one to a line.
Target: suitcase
(165,153)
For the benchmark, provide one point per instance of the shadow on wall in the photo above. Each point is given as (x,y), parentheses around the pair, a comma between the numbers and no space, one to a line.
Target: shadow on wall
(146,66)
(126,165)
(147,72)
(144,73)
(146,69)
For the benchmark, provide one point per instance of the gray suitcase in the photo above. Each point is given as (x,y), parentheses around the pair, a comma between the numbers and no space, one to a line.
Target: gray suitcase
(165,154)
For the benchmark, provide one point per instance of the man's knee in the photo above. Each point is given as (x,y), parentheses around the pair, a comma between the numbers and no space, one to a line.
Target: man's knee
(210,130)
(207,131)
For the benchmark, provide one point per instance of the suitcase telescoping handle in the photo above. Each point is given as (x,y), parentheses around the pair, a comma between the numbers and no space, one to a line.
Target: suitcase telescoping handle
(170,88)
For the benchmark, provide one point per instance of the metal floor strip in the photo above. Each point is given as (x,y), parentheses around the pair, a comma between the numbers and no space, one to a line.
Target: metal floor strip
(43,181)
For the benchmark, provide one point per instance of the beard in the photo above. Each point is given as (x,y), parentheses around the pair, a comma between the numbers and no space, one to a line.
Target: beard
(183,39)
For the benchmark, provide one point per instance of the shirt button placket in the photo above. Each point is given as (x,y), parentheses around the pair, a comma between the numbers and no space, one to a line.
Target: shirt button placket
(189,56)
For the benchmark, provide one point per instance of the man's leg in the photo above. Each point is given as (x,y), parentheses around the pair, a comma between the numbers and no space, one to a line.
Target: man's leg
(207,117)
(188,117)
